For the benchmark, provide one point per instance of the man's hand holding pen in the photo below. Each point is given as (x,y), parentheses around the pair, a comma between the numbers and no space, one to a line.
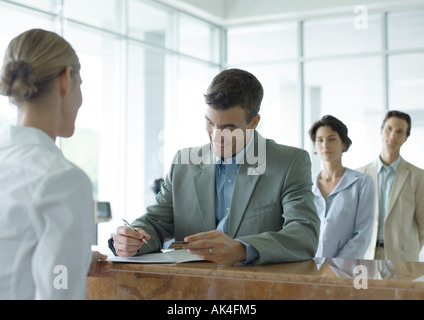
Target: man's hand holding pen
(127,241)
(213,245)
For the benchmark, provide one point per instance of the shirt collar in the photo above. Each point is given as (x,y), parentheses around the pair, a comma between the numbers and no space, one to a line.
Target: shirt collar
(22,135)
(394,166)
(349,176)
(239,157)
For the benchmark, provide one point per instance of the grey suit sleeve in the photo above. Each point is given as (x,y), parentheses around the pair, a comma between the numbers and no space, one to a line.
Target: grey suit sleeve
(298,239)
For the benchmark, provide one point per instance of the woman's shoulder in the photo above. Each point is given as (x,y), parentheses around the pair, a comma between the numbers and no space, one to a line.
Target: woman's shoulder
(55,170)
(362,178)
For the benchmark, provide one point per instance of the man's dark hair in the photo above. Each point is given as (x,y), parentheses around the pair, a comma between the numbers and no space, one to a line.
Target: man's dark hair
(335,124)
(234,87)
(400,115)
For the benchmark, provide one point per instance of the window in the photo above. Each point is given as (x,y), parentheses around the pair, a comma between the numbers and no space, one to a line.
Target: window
(46,5)
(140,66)
(262,42)
(269,51)
(8,30)
(406,81)
(106,13)
(149,24)
(406,76)
(406,93)
(405,30)
(187,124)
(342,70)
(280,112)
(198,39)
(351,90)
(96,144)
(145,120)
(337,36)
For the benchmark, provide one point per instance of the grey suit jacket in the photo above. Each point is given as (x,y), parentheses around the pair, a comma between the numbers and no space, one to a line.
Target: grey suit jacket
(404,221)
(272,206)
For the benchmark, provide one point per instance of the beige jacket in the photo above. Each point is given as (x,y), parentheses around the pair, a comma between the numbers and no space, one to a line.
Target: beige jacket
(404,222)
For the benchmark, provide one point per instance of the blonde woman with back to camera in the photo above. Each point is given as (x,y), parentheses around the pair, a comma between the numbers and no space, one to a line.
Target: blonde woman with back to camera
(46,204)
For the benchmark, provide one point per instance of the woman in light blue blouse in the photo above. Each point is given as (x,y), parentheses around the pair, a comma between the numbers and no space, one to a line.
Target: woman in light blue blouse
(345,199)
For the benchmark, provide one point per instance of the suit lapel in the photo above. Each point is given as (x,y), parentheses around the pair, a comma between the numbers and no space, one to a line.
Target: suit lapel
(373,172)
(400,179)
(247,178)
(243,189)
(204,187)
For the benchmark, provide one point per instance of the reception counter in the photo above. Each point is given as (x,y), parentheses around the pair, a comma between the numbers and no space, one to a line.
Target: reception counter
(312,279)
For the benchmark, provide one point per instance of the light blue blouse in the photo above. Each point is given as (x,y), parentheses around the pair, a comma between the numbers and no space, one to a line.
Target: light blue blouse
(347,216)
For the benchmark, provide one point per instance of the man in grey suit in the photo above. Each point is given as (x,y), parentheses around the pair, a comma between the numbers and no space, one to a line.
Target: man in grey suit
(239,199)
(399,221)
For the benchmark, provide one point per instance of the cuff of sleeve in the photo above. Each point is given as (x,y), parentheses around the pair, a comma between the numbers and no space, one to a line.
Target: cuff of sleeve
(251,253)
(111,246)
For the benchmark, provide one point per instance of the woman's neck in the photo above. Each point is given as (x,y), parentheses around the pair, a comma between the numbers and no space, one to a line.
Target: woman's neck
(332,170)
(43,116)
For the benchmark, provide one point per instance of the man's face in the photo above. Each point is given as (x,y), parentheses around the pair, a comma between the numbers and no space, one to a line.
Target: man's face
(227,130)
(393,133)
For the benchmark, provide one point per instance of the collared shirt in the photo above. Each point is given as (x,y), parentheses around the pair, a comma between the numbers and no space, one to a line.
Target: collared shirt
(386,177)
(46,219)
(225,177)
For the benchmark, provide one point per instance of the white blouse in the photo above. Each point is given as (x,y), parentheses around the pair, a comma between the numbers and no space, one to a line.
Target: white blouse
(46,219)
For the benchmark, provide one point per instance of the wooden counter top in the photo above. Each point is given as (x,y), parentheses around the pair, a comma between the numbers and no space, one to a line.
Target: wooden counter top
(312,279)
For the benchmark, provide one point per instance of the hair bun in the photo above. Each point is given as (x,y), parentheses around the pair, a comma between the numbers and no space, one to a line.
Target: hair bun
(17,80)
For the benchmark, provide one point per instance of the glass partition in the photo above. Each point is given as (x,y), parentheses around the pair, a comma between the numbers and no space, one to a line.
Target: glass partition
(351,90)
(262,42)
(337,36)
(405,30)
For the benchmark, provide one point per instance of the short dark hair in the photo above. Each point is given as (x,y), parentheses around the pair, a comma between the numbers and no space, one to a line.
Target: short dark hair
(334,124)
(400,115)
(234,87)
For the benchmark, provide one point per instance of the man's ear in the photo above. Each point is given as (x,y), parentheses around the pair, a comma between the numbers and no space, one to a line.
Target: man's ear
(254,123)
(65,81)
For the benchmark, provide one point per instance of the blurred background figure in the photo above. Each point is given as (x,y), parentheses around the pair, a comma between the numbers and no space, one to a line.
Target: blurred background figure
(344,198)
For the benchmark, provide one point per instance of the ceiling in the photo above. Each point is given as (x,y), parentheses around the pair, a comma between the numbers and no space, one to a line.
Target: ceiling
(228,12)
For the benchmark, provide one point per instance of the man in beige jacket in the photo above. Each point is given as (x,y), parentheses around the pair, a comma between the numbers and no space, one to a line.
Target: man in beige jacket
(399,224)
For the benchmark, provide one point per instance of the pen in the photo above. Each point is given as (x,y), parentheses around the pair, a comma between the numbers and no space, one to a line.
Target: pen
(131,227)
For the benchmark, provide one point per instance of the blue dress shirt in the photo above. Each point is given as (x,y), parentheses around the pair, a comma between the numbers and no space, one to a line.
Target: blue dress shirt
(226,174)
(386,177)
(225,177)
